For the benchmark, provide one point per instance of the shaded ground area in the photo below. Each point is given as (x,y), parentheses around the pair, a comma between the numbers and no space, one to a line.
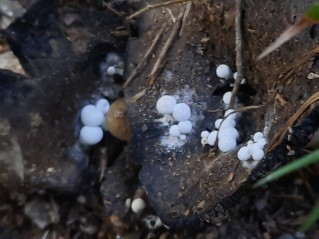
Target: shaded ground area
(53,187)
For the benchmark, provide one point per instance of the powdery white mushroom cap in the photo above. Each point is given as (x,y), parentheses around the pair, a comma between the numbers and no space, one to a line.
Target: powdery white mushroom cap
(217,123)
(243,154)
(257,136)
(227,97)
(223,71)
(103,105)
(91,135)
(226,144)
(166,104)
(138,205)
(235,75)
(258,155)
(204,134)
(262,142)
(185,127)
(91,116)
(182,112)
(254,147)
(174,131)
(212,137)
(228,122)
(229,114)
(182,137)
(228,132)
(111,70)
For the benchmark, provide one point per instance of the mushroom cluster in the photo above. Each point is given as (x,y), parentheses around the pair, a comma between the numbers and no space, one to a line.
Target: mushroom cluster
(93,120)
(178,113)
(254,148)
(225,133)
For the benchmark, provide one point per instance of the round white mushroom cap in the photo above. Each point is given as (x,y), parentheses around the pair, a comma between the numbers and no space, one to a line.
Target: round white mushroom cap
(227,97)
(226,144)
(262,142)
(182,137)
(254,147)
(228,122)
(228,132)
(91,116)
(174,131)
(204,134)
(185,127)
(243,154)
(229,113)
(223,71)
(257,136)
(166,104)
(182,112)
(103,105)
(91,135)
(138,205)
(258,154)
(217,123)
(111,70)
(212,137)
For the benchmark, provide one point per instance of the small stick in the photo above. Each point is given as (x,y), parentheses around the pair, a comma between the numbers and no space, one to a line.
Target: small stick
(187,10)
(108,6)
(146,56)
(149,7)
(160,59)
(239,59)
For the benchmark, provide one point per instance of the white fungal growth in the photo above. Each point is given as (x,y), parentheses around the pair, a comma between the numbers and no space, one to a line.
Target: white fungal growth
(212,137)
(182,137)
(138,205)
(174,131)
(227,97)
(182,112)
(262,142)
(229,114)
(185,127)
(226,144)
(110,70)
(258,154)
(223,71)
(166,104)
(218,123)
(228,122)
(204,134)
(91,135)
(103,105)
(228,132)
(91,116)
(257,136)
(243,154)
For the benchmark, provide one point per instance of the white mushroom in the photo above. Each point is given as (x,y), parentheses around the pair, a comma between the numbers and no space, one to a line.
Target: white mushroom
(138,205)
(91,116)
(91,135)
(182,112)
(166,104)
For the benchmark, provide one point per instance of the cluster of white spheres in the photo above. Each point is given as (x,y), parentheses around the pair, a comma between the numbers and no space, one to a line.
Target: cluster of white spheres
(254,148)
(181,112)
(225,132)
(93,120)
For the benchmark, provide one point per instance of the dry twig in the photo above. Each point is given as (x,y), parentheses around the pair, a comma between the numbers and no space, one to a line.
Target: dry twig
(109,6)
(160,59)
(149,7)
(239,59)
(145,58)
(187,10)
(281,134)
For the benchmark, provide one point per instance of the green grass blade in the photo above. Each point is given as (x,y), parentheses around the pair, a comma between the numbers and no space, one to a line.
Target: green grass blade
(291,167)
(311,220)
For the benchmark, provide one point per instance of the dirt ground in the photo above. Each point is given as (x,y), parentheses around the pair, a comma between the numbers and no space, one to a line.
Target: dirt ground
(53,188)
